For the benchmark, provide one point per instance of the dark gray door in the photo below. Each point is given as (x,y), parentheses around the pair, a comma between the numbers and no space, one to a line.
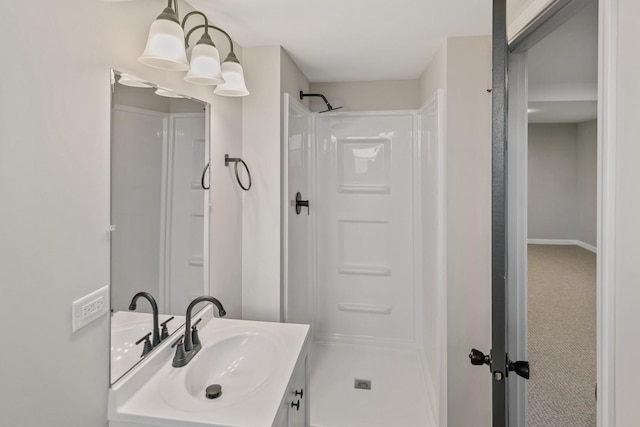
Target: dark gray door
(498,359)
(499,307)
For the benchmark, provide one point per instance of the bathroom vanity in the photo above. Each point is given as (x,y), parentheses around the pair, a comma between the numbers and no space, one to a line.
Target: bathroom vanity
(261,368)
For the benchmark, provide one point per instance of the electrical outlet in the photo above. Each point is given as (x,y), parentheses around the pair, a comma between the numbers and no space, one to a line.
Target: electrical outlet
(88,308)
(93,307)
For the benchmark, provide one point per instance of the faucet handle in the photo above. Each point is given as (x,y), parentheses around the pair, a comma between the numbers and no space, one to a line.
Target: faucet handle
(179,341)
(163,324)
(147,344)
(165,332)
(195,339)
(196,324)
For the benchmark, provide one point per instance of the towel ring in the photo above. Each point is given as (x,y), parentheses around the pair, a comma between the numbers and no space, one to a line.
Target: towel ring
(237,160)
(202,181)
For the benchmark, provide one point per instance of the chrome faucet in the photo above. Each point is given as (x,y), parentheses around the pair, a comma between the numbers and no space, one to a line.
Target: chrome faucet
(189,347)
(154,307)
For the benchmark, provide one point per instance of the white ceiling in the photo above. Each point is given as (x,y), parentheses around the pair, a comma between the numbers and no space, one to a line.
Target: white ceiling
(351,40)
(563,72)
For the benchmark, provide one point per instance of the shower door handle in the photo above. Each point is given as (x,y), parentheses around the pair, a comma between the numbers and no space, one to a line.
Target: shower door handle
(300,203)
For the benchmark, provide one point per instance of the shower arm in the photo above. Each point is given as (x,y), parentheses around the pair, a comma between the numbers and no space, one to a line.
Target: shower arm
(329,107)
(302,95)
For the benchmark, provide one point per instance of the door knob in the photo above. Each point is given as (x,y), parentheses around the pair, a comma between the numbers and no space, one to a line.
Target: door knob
(301,203)
(521,368)
(478,358)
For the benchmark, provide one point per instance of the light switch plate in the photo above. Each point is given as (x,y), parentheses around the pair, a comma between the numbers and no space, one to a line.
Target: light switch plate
(88,308)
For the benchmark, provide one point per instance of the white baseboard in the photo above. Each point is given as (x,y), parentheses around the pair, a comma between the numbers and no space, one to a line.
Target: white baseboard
(582,244)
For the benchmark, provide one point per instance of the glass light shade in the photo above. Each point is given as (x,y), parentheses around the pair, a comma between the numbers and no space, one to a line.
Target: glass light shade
(167,93)
(234,84)
(165,46)
(127,80)
(205,66)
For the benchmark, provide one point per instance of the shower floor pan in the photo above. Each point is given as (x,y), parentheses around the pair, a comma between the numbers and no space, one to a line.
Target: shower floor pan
(397,397)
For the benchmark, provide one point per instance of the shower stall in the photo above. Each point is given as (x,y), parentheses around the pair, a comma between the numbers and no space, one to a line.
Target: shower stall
(364,264)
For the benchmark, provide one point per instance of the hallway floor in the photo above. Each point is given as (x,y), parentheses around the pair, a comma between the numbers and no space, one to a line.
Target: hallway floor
(398,395)
(562,336)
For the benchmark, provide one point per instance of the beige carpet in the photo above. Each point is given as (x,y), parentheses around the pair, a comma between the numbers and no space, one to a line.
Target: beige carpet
(562,336)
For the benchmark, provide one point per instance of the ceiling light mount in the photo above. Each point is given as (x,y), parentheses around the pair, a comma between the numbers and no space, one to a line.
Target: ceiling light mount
(169,14)
(167,49)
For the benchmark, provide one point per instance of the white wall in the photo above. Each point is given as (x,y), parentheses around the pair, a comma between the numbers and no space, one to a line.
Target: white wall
(367,96)
(435,76)
(553,181)
(563,181)
(261,205)
(627,293)
(225,258)
(468,174)
(269,72)
(292,79)
(465,75)
(54,184)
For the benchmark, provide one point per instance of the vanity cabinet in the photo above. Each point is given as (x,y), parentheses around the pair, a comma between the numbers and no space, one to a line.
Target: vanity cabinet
(294,411)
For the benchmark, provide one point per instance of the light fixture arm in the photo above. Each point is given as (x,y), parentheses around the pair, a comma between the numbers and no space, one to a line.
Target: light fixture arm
(205,26)
(197,27)
(175,3)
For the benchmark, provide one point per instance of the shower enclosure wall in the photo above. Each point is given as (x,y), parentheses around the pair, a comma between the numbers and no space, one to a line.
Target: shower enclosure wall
(364,265)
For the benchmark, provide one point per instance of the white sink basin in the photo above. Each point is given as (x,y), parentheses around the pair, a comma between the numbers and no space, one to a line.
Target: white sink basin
(252,362)
(240,364)
(241,359)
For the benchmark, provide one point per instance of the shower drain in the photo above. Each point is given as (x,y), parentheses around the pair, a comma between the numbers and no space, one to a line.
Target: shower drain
(362,384)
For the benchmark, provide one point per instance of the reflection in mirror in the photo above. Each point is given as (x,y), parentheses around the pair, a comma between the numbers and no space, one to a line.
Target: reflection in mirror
(158,215)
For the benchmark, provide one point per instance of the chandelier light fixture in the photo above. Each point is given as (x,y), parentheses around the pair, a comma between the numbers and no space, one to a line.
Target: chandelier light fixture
(167,49)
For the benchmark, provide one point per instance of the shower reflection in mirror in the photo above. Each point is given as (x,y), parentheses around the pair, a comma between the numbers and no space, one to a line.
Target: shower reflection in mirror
(158,216)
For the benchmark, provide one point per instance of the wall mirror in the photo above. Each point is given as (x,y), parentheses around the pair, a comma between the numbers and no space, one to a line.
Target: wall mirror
(159,213)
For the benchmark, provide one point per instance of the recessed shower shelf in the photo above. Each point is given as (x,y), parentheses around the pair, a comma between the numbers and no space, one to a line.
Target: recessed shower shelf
(365,270)
(365,189)
(365,308)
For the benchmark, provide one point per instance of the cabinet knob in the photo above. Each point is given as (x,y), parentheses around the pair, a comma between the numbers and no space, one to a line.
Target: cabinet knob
(299,393)
(296,405)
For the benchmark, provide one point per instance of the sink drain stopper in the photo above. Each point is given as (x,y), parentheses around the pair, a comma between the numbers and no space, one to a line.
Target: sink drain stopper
(213,391)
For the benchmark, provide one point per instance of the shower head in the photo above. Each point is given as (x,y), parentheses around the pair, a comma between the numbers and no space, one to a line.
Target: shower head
(329,107)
